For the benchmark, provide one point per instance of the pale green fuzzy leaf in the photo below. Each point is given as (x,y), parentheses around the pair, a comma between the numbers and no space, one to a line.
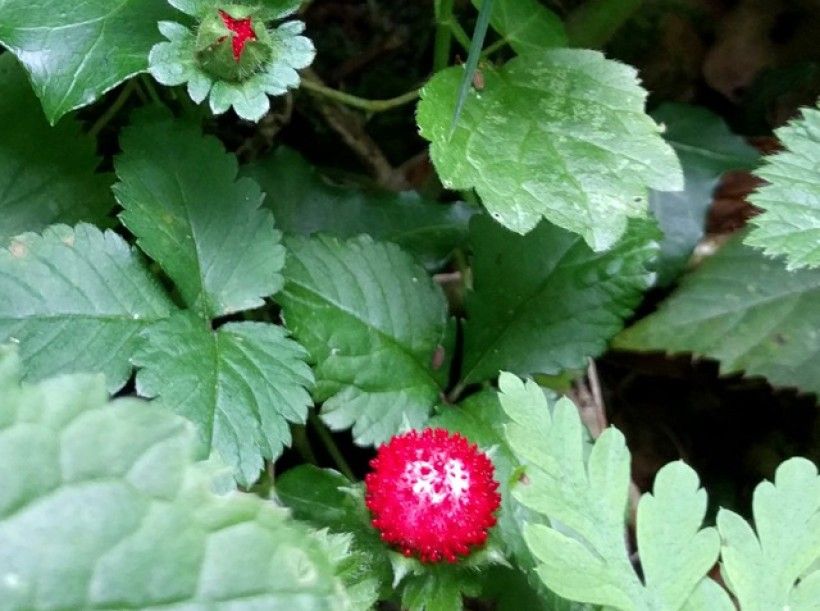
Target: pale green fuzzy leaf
(709,596)
(790,223)
(372,320)
(526,25)
(207,230)
(762,566)
(75,300)
(127,519)
(560,135)
(304,202)
(545,302)
(744,310)
(706,149)
(240,385)
(47,174)
(76,51)
(586,559)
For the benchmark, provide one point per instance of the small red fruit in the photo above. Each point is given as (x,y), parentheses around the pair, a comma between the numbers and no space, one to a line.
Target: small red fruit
(242,32)
(432,494)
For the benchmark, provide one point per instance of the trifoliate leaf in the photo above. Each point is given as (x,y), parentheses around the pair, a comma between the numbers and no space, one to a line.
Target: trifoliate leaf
(102,507)
(706,149)
(526,25)
(744,310)
(371,319)
(242,77)
(190,213)
(75,300)
(305,203)
(76,51)
(545,302)
(587,559)
(46,173)
(560,135)
(240,385)
(326,499)
(776,565)
(790,223)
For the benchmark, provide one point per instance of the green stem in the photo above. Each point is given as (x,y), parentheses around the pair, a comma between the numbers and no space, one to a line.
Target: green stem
(152,91)
(302,444)
(593,24)
(459,34)
(498,44)
(357,102)
(112,110)
(331,447)
(444,34)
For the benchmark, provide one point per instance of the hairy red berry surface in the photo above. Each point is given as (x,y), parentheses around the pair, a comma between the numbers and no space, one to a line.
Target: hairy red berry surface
(242,32)
(432,494)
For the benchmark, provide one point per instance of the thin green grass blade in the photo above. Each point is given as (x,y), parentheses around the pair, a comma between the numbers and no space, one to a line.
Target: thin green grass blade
(476,46)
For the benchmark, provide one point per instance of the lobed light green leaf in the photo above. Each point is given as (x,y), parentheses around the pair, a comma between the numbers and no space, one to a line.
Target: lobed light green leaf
(545,302)
(205,228)
(76,51)
(76,300)
(372,320)
(526,25)
(304,203)
(127,519)
(790,223)
(762,567)
(560,135)
(706,149)
(744,310)
(47,174)
(583,555)
(240,385)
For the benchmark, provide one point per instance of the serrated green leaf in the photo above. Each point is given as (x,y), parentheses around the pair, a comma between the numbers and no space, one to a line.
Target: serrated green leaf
(371,319)
(528,140)
(326,499)
(305,203)
(545,302)
(75,300)
(587,559)
(190,213)
(744,310)
(706,149)
(440,588)
(526,25)
(790,223)
(46,173)
(762,566)
(76,51)
(239,385)
(102,507)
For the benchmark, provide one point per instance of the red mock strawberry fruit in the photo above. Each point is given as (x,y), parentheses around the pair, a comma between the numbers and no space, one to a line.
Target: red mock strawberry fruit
(432,494)
(241,30)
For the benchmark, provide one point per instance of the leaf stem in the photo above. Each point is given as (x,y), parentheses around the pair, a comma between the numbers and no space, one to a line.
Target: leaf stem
(444,34)
(331,447)
(498,44)
(357,102)
(302,444)
(112,110)
(152,91)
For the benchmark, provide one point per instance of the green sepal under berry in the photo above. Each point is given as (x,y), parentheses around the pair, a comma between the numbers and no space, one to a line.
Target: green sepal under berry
(203,58)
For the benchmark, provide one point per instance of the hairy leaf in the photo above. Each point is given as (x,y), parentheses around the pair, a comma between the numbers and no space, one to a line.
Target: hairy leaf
(239,385)
(76,51)
(75,300)
(46,173)
(586,559)
(305,203)
(545,302)
(790,223)
(189,212)
(762,566)
(102,507)
(526,25)
(706,149)
(560,135)
(371,319)
(744,310)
